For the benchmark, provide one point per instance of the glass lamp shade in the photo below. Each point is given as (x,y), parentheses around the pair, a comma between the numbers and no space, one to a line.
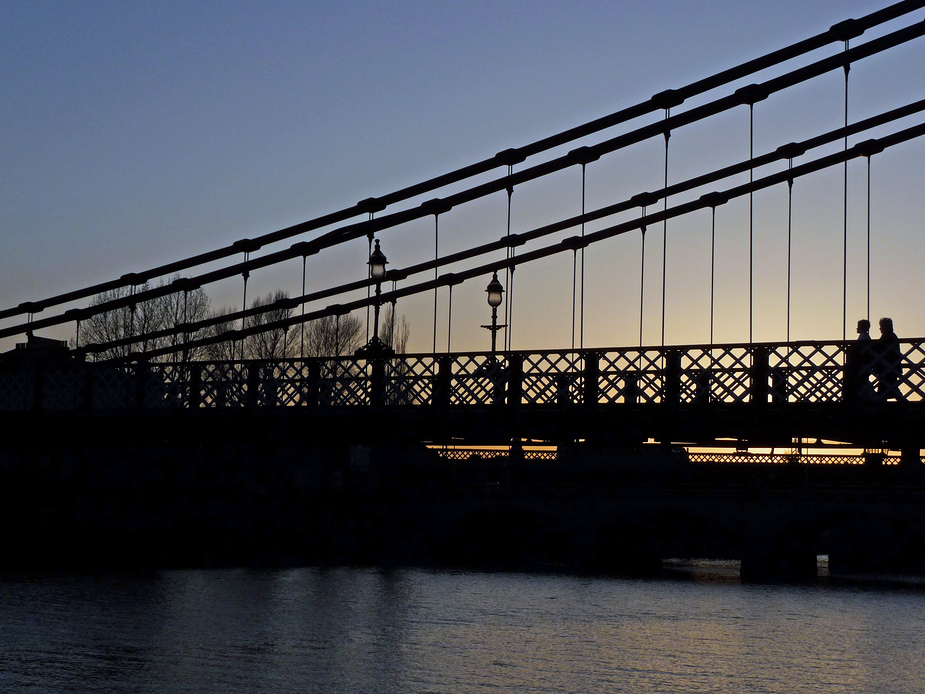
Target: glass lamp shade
(495,292)
(377,263)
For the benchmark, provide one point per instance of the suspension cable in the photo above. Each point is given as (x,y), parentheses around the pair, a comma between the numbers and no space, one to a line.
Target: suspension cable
(844,323)
(302,323)
(642,272)
(245,275)
(353,231)
(449,321)
(857,27)
(436,271)
(665,225)
(582,313)
(609,232)
(574,274)
(508,270)
(868,236)
(789,241)
(787,151)
(712,270)
(751,220)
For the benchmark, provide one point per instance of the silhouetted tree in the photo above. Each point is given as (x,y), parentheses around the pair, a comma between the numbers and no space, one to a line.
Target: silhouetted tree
(394,331)
(275,342)
(136,320)
(333,336)
(224,350)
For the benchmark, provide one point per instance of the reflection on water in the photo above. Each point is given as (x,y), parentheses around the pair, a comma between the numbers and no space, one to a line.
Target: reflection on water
(695,629)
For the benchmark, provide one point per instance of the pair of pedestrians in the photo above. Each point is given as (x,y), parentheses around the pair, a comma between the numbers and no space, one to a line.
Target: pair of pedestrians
(882,358)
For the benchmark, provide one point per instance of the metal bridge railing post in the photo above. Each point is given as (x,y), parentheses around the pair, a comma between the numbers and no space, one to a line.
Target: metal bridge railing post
(564,389)
(591,374)
(442,382)
(311,396)
(377,385)
(86,403)
(253,385)
(515,380)
(631,390)
(671,394)
(140,371)
(38,386)
(195,386)
(759,375)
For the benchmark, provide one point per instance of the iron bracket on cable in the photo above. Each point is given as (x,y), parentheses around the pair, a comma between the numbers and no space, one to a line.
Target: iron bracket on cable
(644,199)
(514,240)
(583,155)
(667,99)
(304,248)
(791,150)
(751,94)
(185,284)
(510,156)
(246,245)
(848,29)
(450,279)
(714,199)
(436,206)
(574,243)
(370,205)
(868,148)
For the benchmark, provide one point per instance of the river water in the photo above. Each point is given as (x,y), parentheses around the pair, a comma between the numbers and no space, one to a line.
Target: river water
(695,629)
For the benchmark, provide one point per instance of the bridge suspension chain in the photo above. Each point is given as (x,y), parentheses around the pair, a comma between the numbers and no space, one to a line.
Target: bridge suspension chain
(773,179)
(777,57)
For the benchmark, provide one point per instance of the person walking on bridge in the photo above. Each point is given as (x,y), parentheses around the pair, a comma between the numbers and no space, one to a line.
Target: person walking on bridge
(866,355)
(889,362)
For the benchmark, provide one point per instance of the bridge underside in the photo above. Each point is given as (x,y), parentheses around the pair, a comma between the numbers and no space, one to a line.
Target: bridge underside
(898,426)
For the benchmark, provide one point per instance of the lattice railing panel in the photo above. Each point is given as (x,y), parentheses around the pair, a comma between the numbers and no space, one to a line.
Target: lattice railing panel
(631,376)
(113,389)
(912,382)
(411,380)
(796,373)
(17,391)
(478,380)
(552,378)
(711,374)
(282,384)
(344,382)
(807,372)
(222,384)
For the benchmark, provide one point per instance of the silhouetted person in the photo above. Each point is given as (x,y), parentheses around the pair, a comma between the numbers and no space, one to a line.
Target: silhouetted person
(888,366)
(865,356)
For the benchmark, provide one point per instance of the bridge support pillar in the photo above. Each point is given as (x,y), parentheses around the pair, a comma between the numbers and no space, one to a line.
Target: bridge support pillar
(910,457)
(788,564)
(873,545)
(787,556)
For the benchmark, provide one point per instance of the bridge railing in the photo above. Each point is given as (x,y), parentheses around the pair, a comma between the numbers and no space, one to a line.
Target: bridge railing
(796,372)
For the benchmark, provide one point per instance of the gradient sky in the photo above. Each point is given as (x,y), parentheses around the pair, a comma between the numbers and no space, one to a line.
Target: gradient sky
(135,134)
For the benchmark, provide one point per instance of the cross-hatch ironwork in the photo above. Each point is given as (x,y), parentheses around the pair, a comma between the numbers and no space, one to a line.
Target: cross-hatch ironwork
(798,372)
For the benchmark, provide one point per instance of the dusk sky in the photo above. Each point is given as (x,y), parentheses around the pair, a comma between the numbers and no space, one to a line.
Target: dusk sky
(138,133)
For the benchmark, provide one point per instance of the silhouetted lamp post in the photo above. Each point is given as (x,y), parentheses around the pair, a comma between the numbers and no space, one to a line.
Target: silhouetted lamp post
(377,262)
(495,293)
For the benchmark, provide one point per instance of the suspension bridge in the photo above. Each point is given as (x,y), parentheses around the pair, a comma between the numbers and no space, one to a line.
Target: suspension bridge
(726,398)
